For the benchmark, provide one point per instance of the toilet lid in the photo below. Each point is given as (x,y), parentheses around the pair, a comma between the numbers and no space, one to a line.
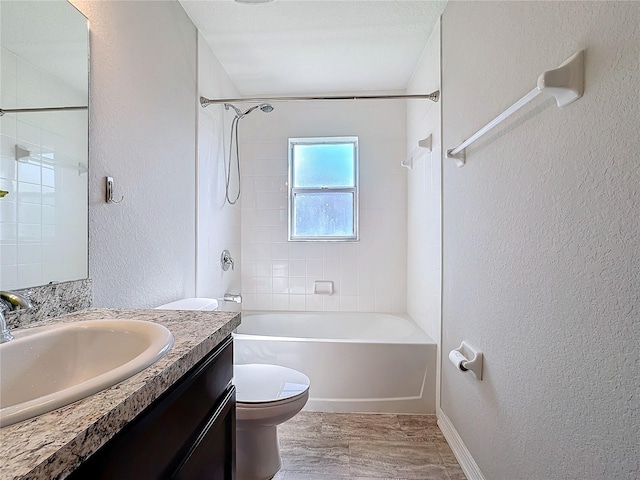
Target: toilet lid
(205,304)
(267,383)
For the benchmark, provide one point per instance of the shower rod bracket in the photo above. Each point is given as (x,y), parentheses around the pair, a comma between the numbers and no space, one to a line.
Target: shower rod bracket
(433,96)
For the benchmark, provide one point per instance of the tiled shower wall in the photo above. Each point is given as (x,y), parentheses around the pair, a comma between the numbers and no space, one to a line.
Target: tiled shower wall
(368,275)
(218,222)
(424,252)
(41,231)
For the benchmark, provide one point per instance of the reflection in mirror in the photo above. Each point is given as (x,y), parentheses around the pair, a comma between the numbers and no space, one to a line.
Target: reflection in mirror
(43,144)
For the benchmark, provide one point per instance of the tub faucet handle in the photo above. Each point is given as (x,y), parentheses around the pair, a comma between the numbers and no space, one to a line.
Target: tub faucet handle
(226,260)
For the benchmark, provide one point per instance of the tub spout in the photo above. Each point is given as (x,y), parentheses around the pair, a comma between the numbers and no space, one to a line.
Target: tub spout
(232,297)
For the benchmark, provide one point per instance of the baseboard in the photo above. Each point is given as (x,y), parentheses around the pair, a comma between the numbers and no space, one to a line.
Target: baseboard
(466,461)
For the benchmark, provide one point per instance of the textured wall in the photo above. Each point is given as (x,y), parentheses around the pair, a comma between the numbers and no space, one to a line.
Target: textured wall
(218,222)
(143,130)
(424,255)
(369,275)
(542,239)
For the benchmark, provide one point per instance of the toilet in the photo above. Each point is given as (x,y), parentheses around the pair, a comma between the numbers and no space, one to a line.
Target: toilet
(266,396)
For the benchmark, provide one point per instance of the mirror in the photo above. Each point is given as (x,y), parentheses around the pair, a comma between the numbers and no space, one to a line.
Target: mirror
(44,88)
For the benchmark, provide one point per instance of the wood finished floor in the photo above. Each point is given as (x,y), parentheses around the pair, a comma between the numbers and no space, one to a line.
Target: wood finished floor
(347,446)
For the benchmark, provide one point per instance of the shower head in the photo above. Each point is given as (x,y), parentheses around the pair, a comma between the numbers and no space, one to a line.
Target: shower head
(265,107)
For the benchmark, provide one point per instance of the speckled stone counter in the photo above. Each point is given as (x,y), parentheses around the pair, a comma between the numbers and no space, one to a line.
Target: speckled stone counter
(52,301)
(52,445)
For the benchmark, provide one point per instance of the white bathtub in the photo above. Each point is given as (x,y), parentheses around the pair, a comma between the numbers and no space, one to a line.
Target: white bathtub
(357,362)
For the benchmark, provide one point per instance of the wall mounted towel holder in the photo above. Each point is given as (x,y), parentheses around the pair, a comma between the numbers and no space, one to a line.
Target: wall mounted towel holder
(424,144)
(109,191)
(566,83)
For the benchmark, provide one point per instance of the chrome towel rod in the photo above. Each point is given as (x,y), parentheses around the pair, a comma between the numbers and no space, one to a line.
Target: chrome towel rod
(433,96)
(566,83)
(42,109)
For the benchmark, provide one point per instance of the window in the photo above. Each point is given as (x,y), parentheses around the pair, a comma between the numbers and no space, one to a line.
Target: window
(323,188)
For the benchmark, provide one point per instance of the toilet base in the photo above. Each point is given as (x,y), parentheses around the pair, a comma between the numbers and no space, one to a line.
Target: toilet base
(257,452)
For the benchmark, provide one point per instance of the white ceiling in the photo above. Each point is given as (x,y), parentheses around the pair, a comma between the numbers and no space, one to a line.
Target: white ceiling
(308,46)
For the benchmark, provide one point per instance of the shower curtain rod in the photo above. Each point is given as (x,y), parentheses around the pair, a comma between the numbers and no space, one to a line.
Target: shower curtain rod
(434,96)
(41,109)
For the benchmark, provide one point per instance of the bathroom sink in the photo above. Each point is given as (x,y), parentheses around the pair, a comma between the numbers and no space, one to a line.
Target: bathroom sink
(47,367)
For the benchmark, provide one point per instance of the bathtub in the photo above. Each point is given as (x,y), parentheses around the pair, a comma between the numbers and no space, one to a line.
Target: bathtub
(357,362)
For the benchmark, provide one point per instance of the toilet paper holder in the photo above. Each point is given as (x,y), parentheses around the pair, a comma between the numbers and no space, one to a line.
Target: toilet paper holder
(466,358)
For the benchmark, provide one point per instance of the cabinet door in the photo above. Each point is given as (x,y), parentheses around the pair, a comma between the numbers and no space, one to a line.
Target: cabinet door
(212,455)
(152,444)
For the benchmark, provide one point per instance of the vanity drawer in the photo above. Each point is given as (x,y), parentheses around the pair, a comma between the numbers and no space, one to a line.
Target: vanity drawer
(211,456)
(151,446)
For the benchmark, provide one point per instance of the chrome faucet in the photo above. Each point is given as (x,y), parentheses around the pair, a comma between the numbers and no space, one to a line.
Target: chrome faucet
(232,297)
(10,301)
(226,261)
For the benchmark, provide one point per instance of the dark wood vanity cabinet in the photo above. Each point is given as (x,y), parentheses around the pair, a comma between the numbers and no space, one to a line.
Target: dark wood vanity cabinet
(188,433)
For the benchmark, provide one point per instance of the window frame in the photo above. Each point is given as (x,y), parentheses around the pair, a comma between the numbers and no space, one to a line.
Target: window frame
(293,191)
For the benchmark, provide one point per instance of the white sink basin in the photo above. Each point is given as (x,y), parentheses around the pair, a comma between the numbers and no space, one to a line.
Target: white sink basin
(47,367)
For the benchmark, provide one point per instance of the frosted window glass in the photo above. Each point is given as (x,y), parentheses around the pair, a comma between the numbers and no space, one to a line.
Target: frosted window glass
(323,189)
(324,214)
(323,165)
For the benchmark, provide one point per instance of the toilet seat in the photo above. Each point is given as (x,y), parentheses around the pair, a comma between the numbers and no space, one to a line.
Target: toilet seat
(261,385)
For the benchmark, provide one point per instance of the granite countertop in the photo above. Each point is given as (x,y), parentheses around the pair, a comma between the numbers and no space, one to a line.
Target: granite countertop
(52,445)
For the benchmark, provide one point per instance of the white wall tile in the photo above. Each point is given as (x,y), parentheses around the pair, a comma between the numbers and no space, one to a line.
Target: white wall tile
(331,303)
(249,284)
(313,303)
(29,254)
(8,61)
(8,211)
(263,302)
(366,280)
(29,213)
(313,250)
(348,303)
(280,285)
(9,274)
(297,303)
(423,278)
(315,268)
(297,285)
(263,285)
(384,303)
(263,268)
(366,303)
(297,250)
(298,268)
(280,302)
(9,254)
(353,267)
